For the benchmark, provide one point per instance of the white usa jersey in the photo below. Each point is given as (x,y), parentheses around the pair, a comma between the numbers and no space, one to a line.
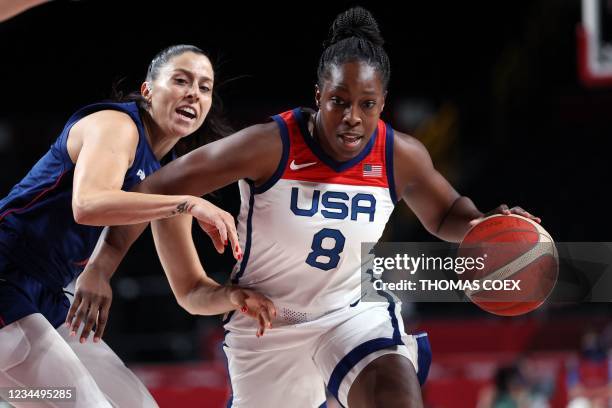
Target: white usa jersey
(302,230)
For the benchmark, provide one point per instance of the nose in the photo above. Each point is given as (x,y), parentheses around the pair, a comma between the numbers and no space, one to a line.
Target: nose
(351,116)
(193,92)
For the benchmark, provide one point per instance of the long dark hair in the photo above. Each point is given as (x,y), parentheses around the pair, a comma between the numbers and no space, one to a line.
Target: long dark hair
(216,125)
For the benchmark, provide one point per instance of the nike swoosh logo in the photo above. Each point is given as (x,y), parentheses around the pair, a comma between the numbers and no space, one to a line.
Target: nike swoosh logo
(294,166)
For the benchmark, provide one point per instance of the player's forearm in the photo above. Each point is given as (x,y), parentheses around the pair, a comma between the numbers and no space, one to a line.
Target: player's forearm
(124,208)
(208,298)
(459,218)
(10,8)
(112,246)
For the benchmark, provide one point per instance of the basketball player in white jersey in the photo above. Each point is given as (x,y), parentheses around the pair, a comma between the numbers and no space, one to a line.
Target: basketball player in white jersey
(314,186)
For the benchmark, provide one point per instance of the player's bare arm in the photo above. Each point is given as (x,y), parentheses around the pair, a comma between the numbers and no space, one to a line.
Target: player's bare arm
(440,208)
(197,293)
(10,8)
(252,153)
(184,174)
(102,146)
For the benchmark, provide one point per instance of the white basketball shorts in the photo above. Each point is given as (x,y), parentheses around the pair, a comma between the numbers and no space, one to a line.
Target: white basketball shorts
(293,363)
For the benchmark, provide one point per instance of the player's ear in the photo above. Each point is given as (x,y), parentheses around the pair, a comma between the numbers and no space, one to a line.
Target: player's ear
(317,95)
(145,91)
(384,99)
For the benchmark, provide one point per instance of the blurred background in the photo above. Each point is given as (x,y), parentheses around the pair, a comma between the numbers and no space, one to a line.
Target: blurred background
(495,90)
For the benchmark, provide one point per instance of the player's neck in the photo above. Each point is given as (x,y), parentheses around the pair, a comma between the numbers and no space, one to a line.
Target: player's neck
(160,144)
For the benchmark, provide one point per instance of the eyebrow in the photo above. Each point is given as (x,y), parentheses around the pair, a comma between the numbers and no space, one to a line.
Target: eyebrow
(191,74)
(345,88)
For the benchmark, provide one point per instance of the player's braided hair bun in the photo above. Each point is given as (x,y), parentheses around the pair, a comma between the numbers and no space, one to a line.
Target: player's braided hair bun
(355,22)
(354,36)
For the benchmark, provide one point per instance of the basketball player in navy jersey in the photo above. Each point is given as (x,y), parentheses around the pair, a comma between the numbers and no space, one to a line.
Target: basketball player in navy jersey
(52,219)
(314,186)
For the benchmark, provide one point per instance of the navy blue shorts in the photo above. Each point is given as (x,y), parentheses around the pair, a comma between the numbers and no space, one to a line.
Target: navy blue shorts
(22,295)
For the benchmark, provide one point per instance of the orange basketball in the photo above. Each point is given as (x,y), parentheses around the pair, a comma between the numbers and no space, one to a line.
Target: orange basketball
(519,264)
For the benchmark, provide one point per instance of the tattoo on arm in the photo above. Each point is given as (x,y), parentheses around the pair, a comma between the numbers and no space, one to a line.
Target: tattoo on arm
(182,208)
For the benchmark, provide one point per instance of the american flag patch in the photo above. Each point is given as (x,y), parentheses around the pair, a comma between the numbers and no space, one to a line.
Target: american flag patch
(372,170)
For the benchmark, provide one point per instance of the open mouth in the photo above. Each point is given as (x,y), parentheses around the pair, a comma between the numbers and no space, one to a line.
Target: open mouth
(187,112)
(350,140)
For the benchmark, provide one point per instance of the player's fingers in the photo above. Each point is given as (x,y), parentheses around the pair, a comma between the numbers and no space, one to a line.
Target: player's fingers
(222,229)
(233,236)
(524,213)
(213,233)
(266,317)
(73,308)
(80,315)
(90,320)
(207,217)
(262,326)
(500,209)
(102,319)
(270,308)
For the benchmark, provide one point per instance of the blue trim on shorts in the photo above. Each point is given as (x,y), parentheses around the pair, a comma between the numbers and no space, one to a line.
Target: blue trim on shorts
(397,336)
(229,379)
(389,162)
(352,358)
(424,356)
(323,405)
(247,250)
(284,132)
(361,351)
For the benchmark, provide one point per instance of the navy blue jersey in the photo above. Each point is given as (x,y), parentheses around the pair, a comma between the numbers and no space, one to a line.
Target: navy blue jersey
(37,228)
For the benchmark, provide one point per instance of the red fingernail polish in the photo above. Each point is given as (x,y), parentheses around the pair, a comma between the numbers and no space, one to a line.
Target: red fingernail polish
(237,248)
(244,309)
(226,242)
(239,257)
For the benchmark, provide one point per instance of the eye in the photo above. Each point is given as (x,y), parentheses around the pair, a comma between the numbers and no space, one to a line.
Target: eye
(180,81)
(204,89)
(369,104)
(337,101)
